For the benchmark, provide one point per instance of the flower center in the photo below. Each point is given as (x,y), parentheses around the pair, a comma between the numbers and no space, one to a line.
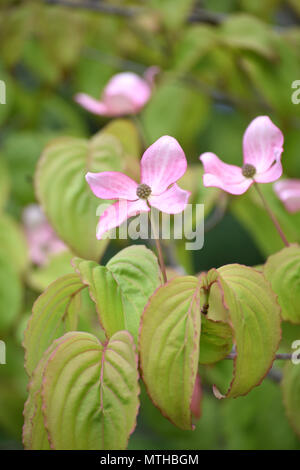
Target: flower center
(143,191)
(248,170)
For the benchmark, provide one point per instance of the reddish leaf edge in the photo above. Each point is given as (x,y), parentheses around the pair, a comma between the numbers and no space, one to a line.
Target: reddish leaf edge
(192,426)
(59,342)
(215,389)
(26,331)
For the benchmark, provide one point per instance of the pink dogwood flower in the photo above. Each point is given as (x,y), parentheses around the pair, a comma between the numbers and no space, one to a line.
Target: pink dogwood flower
(125,93)
(41,238)
(162,164)
(262,149)
(288,191)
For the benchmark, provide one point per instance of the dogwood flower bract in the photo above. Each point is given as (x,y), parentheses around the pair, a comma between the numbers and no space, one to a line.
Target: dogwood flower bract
(162,164)
(125,93)
(41,238)
(288,191)
(262,149)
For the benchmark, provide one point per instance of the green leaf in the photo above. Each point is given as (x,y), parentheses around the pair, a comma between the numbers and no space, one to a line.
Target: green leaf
(127,133)
(169,347)
(34,431)
(295,5)
(283,271)
(257,421)
(14,27)
(13,381)
(58,114)
(173,12)
(13,244)
(10,292)
(13,261)
(137,272)
(54,313)
(90,392)
(272,80)
(215,341)
(254,316)
(38,63)
(61,40)
(186,101)
(64,193)
(122,288)
(58,265)
(244,31)
(249,209)
(195,43)
(4,183)
(21,150)
(105,292)
(214,297)
(291,394)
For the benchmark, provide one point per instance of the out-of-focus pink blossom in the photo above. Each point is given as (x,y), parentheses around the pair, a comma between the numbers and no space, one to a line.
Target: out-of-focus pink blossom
(41,239)
(262,149)
(288,191)
(125,93)
(162,164)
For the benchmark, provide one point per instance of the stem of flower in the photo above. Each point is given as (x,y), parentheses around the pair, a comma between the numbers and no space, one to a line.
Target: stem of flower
(161,259)
(159,250)
(138,124)
(272,216)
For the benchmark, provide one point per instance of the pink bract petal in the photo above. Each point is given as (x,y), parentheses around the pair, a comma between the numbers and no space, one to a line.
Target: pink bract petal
(91,104)
(262,143)
(41,238)
(172,201)
(272,174)
(118,212)
(288,191)
(112,185)
(162,164)
(126,93)
(223,176)
(151,73)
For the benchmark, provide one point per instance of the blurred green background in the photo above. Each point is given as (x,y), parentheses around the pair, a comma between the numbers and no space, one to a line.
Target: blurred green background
(222,64)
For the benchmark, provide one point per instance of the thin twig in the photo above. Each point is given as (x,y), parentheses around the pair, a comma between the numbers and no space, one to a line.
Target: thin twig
(169,252)
(272,216)
(217,215)
(158,248)
(101,7)
(279,356)
(283,356)
(113,60)
(221,96)
(199,15)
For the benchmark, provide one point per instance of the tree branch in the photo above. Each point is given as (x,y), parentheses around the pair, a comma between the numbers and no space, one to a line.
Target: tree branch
(100,7)
(218,213)
(279,356)
(199,15)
